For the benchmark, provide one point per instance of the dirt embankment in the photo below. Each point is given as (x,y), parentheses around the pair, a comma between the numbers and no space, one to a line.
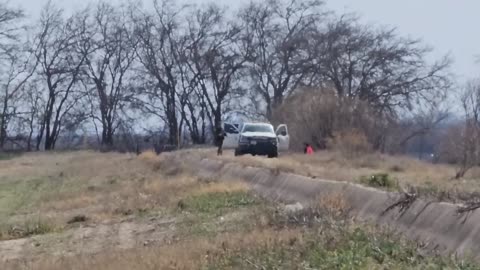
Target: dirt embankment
(436,225)
(90,239)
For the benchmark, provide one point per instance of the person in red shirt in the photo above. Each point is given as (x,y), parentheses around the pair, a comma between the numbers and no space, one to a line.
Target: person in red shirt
(308,149)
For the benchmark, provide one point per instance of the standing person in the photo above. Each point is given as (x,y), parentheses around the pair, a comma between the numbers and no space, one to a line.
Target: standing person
(220,137)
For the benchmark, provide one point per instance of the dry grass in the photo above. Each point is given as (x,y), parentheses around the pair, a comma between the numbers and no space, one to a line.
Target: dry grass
(107,186)
(190,254)
(103,187)
(335,204)
(219,187)
(213,222)
(106,190)
(408,172)
(296,247)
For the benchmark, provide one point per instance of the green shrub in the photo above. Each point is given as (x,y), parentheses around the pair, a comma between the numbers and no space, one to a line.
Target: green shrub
(214,203)
(380,180)
(336,249)
(8,156)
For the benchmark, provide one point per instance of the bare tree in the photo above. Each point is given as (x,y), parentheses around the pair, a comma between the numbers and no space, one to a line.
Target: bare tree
(60,68)
(19,68)
(157,52)
(15,68)
(378,66)
(217,56)
(279,33)
(33,101)
(193,108)
(467,144)
(9,24)
(317,116)
(189,67)
(422,122)
(191,101)
(108,48)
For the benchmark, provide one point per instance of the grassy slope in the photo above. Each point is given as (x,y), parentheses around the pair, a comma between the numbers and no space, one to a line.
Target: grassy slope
(403,172)
(217,225)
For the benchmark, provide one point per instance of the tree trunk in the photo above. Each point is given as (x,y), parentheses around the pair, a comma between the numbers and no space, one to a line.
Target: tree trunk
(107,139)
(3,131)
(172,121)
(49,133)
(107,133)
(29,139)
(217,115)
(40,136)
(3,124)
(49,142)
(39,141)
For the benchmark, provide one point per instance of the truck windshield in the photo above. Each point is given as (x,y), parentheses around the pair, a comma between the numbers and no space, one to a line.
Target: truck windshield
(258,128)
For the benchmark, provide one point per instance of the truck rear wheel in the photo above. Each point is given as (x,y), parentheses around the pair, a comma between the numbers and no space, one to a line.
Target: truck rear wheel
(273,155)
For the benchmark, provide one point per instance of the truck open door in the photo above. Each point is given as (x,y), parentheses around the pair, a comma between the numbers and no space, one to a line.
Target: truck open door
(283,138)
(231,140)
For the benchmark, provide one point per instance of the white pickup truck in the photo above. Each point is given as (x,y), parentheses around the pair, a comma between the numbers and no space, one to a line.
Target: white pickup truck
(256,139)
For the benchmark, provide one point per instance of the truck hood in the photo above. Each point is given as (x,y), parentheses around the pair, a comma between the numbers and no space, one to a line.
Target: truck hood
(259,134)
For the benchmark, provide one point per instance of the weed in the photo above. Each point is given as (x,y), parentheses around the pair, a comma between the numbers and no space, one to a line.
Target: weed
(16,194)
(29,228)
(380,180)
(331,211)
(77,219)
(215,203)
(335,206)
(207,180)
(397,168)
(429,190)
(172,171)
(346,248)
(123,212)
(305,217)
(143,212)
(8,156)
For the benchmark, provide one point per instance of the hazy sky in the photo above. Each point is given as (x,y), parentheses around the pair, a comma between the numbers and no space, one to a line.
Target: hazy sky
(447,25)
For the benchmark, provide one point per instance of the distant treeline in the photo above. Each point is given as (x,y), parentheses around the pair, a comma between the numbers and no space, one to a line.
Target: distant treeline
(173,71)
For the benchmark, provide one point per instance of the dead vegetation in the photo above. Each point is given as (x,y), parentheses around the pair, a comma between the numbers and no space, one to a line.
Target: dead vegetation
(59,188)
(26,229)
(306,239)
(393,173)
(121,202)
(146,213)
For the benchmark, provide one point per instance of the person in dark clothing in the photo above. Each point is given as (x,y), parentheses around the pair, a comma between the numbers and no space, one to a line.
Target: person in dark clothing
(220,137)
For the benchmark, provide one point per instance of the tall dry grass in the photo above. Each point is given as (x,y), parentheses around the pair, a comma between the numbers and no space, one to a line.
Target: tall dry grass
(190,254)
(335,165)
(102,186)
